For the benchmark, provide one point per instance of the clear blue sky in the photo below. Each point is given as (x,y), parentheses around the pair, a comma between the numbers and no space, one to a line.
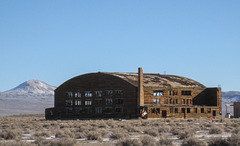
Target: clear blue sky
(55,40)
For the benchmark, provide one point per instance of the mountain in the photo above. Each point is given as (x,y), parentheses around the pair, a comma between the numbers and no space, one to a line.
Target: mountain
(30,97)
(33,87)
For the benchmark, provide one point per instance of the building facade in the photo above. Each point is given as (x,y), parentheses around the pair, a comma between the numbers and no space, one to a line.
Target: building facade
(133,95)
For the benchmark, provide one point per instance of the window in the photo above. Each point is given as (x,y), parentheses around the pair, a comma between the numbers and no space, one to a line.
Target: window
(158,110)
(176,101)
(183,110)
(109,101)
(208,110)
(186,93)
(108,110)
(88,110)
(69,103)
(69,94)
(195,110)
(88,102)
(98,102)
(153,110)
(176,110)
(78,94)
(88,94)
(119,92)
(173,92)
(118,110)
(183,101)
(171,101)
(202,110)
(78,110)
(68,110)
(98,93)
(156,100)
(98,110)
(171,110)
(109,92)
(78,102)
(188,110)
(157,93)
(119,101)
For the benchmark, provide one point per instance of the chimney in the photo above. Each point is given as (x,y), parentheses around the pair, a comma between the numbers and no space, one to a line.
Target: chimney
(140,100)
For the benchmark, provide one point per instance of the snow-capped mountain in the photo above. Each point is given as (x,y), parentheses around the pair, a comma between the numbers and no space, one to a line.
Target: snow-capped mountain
(30,97)
(33,87)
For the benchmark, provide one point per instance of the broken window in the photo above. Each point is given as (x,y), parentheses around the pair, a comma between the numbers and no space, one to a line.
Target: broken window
(108,110)
(171,101)
(109,101)
(98,93)
(118,110)
(157,93)
(68,110)
(109,92)
(202,110)
(69,94)
(88,110)
(119,92)
(118,101)
(69,103)
(78,102)
(188,110)
(153,110)
(171,110)
(98,102)
(78,110)
(186,93)
(88,102)
(183,110)
(176,110)
(208,110)
(173,92)
(77,94)
(195,110)
(98,110)
(156,100)
(88,94)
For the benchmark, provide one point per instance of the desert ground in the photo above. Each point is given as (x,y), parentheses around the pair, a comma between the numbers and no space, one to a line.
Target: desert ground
(35,130)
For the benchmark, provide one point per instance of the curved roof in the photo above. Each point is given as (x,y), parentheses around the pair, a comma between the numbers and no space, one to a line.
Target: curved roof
(158,80)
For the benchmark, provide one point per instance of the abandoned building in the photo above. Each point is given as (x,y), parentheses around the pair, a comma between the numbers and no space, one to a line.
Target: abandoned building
(133,95)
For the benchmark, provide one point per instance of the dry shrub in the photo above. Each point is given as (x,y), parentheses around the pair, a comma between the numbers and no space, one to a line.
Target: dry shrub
(185,134)
(129,142)
(119,134)
(164,129)
(16,143)
(148,140)
(176,131)
(163,141)
(11,134)
(215,130)
(64,133)
(152,132)
(94,136)
(191,141)
(59,142)
(42,134)
(218,142)
(234,139)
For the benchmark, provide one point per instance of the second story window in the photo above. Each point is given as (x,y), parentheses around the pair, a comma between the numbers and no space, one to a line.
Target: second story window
(88,102)
(186,93)
(109,101)
(157,93)
(98,93)
(119,92)
(69,94)
(88,94)
(109,92)
(77,94)
(69,103)
(156,100)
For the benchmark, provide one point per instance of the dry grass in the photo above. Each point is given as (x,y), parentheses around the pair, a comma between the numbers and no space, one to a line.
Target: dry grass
(18,130)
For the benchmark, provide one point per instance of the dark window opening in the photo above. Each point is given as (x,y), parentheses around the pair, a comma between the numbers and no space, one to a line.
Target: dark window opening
(119,101)
(153,110)
(158,110)
(176,110)
(202,110)
(183,110)
(186,93)
(188,110)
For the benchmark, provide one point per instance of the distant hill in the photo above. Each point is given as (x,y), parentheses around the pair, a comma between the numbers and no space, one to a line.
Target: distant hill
(30,97)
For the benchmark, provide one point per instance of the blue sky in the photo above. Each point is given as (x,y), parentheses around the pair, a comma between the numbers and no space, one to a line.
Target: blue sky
(54,41)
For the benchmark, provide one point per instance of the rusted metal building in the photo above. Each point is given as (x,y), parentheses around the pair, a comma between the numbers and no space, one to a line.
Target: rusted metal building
(132,95)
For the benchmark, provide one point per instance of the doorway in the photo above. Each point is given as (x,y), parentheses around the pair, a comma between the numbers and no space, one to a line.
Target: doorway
(214,113)
(164,114)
